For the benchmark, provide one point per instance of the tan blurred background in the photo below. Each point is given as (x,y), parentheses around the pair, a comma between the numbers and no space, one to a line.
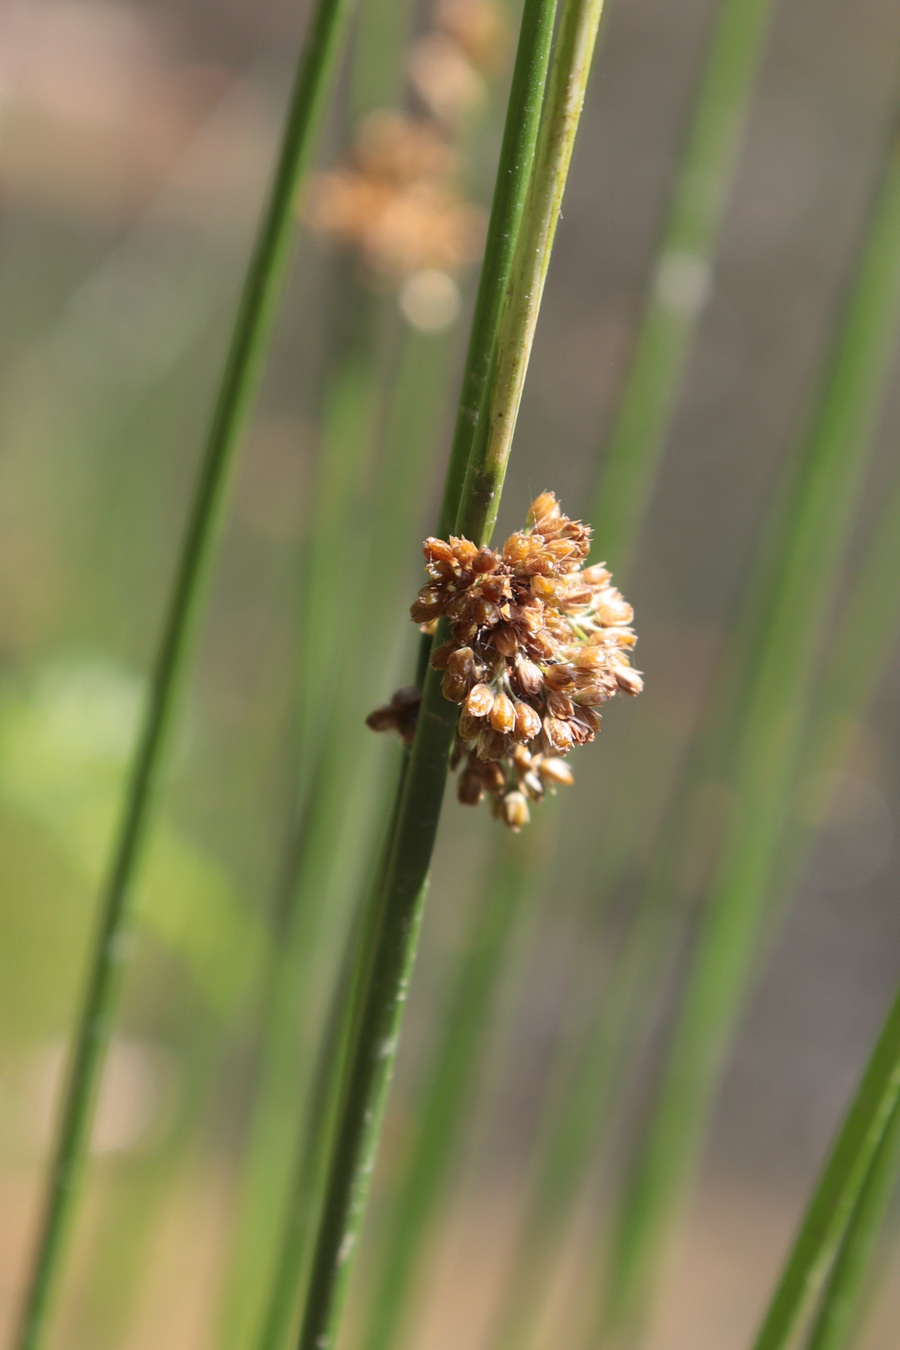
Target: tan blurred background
(136,145)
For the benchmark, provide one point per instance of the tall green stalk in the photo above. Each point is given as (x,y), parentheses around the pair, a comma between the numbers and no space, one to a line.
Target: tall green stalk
(253,325)
(820,508)
(445,1096)
(508,205)
(398,900)
(335,840)
(681,278)
(838,1314)
(841,1186)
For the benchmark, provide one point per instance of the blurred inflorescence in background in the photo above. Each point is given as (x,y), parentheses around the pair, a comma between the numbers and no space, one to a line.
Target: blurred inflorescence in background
(137,145)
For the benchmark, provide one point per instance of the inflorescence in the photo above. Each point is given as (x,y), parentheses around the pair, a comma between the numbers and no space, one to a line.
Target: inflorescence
(538,643)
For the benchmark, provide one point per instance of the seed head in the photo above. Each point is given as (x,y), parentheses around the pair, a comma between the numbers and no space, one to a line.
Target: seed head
(538,644)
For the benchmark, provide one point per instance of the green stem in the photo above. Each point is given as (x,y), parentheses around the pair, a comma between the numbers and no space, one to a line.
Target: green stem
(517,152)
(840,1187)
(838,1313)
(398,901)
(818,510)
(861,648)
(452,1069)
(681,276)
(253,325)
(578,27)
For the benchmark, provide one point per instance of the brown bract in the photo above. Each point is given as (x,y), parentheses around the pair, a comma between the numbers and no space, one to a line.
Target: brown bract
(538,643)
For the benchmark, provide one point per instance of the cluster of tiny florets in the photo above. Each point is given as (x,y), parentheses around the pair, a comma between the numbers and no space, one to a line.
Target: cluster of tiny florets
(396,203)
(538,643)
(398,200)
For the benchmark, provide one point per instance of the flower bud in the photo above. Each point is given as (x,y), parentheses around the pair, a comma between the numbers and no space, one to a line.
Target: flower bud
(492,745)
(591,658)
(558,733)
(503,714)
(559,677)
(470,788)
(462,662)
(382,719)
(485,560)
(588,718)
(429,604)
(529,677)
(465,631)
(515,810)
(437,551)
(454,686)
(560,705)
(628,680)
(613,608)
(460,607)
(521,757)
(467,728)
(464,550)
(505,640)
(545,513)
(480,701)
(528,723)
(555,771)
(441,655)
(487,613)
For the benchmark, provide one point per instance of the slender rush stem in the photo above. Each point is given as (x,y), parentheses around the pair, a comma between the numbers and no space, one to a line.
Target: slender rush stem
(253,325)
(517,152)
(681,276)
(819,507)
(398,901)
(839,1310)
(840,1187)
(578,27)
(452,1070)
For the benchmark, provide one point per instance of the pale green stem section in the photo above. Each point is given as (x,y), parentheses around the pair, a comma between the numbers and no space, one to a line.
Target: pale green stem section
(397,904)
(862,647)
(509,203)
(577,37)
(681,277)
(838,1316)
(820,507)
(840,1187)
(253,325)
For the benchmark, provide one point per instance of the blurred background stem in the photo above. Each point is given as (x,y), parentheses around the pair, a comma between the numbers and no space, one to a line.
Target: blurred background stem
(840,1309)
(818,510)
(841,1188)
(253,324)
(681,277)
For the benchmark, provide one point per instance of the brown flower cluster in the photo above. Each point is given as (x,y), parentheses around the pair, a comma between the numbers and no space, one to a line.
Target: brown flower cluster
(395,202)
(538,643)
(449,66)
